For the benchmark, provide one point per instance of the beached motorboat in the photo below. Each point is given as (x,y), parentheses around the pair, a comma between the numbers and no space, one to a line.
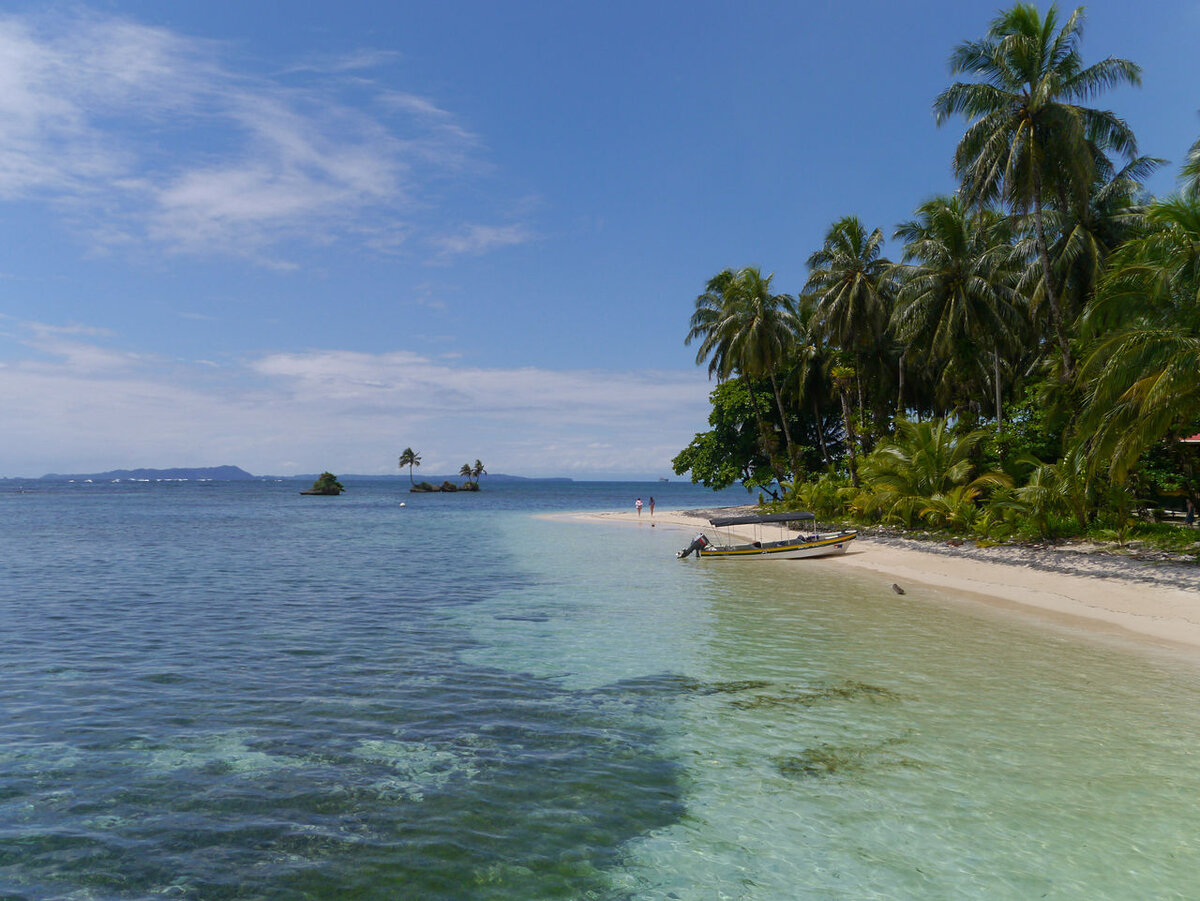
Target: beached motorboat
(808,543)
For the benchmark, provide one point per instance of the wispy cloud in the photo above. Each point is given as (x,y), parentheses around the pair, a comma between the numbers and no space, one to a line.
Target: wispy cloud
(144,136)
(477,239)
(350,62)
(80,404)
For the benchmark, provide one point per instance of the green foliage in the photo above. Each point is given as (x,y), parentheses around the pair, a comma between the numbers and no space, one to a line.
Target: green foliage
(327,483)
(1033,427)
(731,451)
(1142,375)
(825,497)
(925,471)
(946,388)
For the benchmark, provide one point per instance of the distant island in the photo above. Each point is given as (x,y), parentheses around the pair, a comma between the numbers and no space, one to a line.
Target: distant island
(217,473)
(326,484)
(237,474)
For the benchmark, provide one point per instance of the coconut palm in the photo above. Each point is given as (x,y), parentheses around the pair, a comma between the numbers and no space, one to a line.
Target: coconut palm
(1141,378)
(811,369)
(1089,231)
(465,471)
(477,470)
(955,293)
(1041,498)
(924,460)
(1190,176)
(1028,139)
(707,325)
(746,329)
(844,377)
(851,283)
(410,458)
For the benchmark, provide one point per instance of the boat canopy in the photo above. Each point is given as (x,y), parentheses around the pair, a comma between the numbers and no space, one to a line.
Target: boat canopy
(760,518)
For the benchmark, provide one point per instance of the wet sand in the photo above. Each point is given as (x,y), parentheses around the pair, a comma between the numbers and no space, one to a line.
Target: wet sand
(1155,600)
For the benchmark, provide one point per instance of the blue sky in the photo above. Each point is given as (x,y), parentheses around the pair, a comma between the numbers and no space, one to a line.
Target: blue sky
(306,240)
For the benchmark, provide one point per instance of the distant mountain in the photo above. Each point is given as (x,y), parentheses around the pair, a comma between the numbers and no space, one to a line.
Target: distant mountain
(221,473)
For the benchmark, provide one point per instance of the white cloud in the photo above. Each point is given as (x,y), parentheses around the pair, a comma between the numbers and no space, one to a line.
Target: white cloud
(478,239)
(90,407)
(143,136)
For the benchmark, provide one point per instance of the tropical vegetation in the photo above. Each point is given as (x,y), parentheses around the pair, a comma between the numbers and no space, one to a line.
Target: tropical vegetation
(1027,363)
(327,483)
(410,458)
(470,472)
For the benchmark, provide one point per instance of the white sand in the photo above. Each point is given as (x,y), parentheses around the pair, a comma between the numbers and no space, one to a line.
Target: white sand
(1156,601)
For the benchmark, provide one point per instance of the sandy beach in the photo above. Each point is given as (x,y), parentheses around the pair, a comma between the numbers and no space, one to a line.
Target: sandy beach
(1154,600)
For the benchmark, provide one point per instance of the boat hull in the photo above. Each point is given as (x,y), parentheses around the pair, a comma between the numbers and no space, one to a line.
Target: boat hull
(821,546)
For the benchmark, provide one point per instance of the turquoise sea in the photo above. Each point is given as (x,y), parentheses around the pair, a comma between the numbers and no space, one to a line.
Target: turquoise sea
(226,690)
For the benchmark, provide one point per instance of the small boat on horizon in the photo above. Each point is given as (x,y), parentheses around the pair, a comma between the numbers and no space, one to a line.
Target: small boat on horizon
(813,543)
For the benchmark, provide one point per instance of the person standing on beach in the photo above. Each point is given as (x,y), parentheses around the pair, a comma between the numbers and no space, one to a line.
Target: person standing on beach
(638,504)
(651,506)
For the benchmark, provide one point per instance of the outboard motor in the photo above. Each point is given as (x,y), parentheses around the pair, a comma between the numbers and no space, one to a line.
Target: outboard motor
(698,543)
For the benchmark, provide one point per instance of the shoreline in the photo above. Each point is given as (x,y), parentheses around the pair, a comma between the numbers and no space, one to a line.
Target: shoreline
(1155,601)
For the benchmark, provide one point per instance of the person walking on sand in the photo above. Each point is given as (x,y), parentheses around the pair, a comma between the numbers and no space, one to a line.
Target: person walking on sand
(651,506)
(638,505)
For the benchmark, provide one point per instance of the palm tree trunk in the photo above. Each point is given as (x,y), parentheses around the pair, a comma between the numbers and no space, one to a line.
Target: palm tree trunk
(762,426)
(787,432)
(1056,317)
(851,438)
(996,380)
(820,431)
(900,391)
(858,385)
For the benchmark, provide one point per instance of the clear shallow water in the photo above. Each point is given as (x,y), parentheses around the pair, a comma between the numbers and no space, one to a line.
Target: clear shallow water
(229,691)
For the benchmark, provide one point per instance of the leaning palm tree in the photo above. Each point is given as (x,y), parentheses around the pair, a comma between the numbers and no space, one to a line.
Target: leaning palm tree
(1029,139)
(707,325)
(465,471)
(745,329)
(956,296)
(762,335)
(477,470)
(410,458)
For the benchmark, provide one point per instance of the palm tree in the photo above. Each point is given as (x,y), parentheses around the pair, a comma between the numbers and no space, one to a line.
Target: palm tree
(1090,230)
(477,470)
(812,365)
(410,458)
(745,329)
(955,294)
(465,471)
(1028,139)
(707,325)
(843,378)
(1141,378)
(1190,176)
(924,461)
(850,281)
